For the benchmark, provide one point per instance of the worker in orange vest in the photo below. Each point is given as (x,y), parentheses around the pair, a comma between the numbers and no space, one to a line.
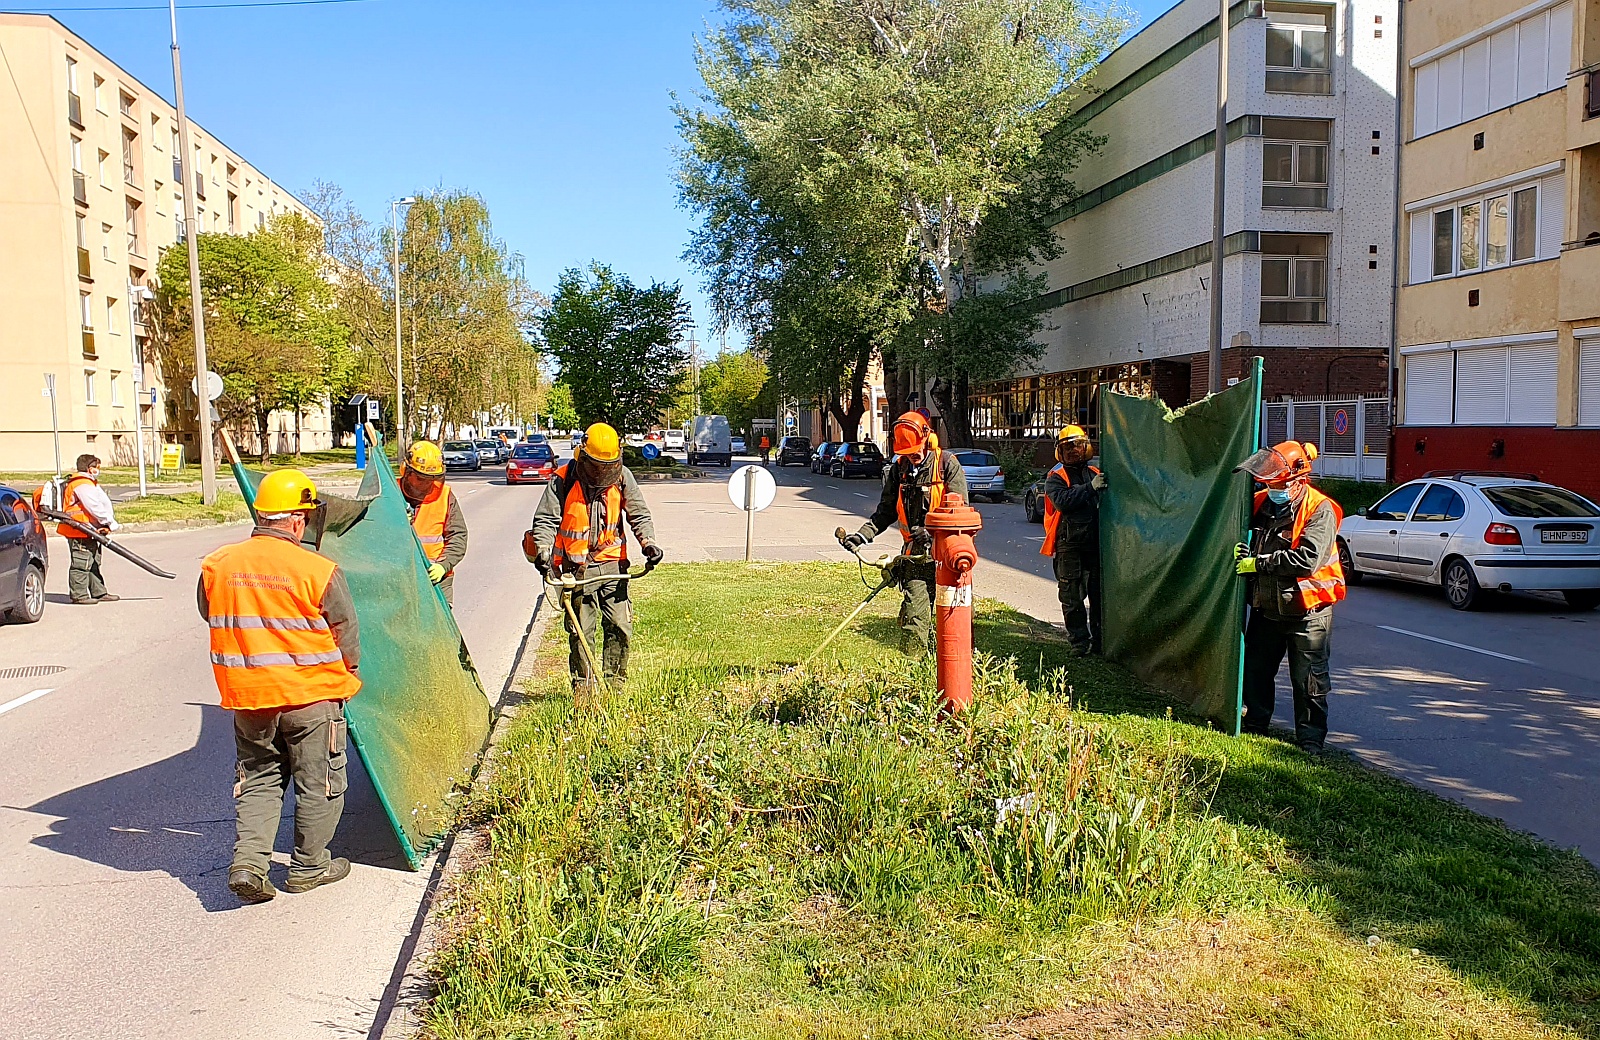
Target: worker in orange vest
(285,647)
(922,474)
(766,449)
(1292,565)
(577,530)
(83,500)
(435,514)
(1072,536)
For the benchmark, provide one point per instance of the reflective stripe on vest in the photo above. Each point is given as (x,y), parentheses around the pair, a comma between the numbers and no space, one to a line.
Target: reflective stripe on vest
(1052,515)
(935,495)
(577,526)
(428,521)
(73,508)
(1325,585)
(270,645)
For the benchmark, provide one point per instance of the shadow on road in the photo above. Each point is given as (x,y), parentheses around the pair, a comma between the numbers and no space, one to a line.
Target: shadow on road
(176,816)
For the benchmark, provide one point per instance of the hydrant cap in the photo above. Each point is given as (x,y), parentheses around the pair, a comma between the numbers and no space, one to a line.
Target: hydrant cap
(954,516)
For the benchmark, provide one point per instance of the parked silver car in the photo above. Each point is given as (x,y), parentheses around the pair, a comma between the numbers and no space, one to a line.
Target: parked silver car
(985,478)
(1478,533)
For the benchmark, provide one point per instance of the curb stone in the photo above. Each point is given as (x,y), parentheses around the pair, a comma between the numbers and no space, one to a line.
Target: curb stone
(399,1010)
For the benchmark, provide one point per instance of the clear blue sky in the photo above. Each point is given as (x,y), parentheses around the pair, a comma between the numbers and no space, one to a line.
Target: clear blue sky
(558,114)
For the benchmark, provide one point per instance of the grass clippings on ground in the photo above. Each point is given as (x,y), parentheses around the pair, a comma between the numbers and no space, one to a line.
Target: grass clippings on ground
(733,849)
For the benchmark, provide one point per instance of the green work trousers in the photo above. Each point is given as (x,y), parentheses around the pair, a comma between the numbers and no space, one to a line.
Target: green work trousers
(916,608)
(83,576)
(609,604)
(305,744)
(1077,570)
(1306,641)
(447,588)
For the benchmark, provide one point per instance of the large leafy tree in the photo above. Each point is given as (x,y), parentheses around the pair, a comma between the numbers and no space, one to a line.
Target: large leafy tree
(921,140)
(619,345)
(732,385)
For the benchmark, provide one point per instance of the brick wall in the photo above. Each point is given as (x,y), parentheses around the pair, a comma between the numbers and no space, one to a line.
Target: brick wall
(1569,458)
(1300,371)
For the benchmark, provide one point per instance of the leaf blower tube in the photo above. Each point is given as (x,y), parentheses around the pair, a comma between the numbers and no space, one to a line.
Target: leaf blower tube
(955,554)
(127,554)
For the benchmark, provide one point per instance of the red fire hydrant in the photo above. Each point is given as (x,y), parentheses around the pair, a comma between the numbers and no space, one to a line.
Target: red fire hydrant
(954,555)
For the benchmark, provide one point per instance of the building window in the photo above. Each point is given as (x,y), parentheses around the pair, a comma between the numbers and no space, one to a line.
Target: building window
(102,168)
(135,245)
(86,311)
(130,148)
(1492,382)
(99,94)
(125,103)
(177,221)
(1588,380)
(1482,73)
(116,390)
(74,105)
(1295,167)
(1299,48)
(105,241)
(1486,232)
(111,316)
(88,387)
(155,131)
(1294,279)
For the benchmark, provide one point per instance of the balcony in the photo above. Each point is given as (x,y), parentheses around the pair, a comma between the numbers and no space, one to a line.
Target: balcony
(80,188)
(83,264)
(74,110)
(88,345)
(1580,281)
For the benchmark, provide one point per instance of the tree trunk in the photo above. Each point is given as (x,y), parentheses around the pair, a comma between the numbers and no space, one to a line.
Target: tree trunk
(951,395)
(297,431)
(261,431)
(893,392)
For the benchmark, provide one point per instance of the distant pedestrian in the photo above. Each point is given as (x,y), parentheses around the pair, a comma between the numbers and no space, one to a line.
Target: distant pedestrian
(1292,565)
(766,450)
(285,646)
(85,502)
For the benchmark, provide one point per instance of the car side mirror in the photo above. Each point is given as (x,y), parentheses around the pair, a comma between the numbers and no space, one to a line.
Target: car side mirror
(1367,511)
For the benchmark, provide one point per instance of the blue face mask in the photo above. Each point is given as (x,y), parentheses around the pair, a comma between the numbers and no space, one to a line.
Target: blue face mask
(1278,495)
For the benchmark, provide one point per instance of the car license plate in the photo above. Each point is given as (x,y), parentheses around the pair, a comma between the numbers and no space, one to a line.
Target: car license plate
(1571,537)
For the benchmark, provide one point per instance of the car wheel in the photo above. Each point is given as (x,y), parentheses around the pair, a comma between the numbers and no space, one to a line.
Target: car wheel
(1347,563)
(1461,586)
(30,603)
(1582,599)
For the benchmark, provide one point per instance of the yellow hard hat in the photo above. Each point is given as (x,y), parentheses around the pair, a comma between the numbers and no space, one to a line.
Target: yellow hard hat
(285,491)
(425,458)
(1072,432)
(601,443)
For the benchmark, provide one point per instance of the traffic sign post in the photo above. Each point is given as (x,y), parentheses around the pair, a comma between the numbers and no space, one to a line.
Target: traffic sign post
(751,489)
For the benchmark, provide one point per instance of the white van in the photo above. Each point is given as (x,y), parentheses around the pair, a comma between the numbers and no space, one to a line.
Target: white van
(710,441)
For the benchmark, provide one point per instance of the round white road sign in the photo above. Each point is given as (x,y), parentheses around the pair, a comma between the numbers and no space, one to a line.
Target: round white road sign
(213,386)
(757,483)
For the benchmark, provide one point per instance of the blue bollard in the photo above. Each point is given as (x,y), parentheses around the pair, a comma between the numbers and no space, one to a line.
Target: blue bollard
(361,447)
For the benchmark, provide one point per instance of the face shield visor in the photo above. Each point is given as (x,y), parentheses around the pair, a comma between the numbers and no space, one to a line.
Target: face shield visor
(593,473)
(316,525)
(418,486)
(1074,450)
(1267,466)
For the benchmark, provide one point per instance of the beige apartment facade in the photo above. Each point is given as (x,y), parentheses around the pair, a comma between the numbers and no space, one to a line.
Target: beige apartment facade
(91,192)
(1498,345)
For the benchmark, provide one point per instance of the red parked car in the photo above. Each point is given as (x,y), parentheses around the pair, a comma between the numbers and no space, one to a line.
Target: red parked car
(530,464)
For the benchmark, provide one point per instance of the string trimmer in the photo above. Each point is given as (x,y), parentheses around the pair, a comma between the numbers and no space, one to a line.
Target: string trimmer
(888,567)
(567,586)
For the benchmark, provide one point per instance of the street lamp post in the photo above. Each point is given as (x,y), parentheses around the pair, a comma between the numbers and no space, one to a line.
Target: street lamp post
(1219,206)
(135,294)
(208,456)
(399,371)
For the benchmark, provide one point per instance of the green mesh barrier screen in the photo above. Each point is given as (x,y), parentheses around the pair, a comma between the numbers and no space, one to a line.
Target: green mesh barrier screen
(1172,513)
(421,719)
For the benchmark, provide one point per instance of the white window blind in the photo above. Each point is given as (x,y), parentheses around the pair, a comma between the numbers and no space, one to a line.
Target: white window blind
(1552,215)
(1519,62)
(1429,388)
(1589,382)
(1421,247)
(1532,383)
(1481,386)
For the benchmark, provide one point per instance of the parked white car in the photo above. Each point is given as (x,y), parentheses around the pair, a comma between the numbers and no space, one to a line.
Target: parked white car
(1479,533)
(984,475)
(673,440)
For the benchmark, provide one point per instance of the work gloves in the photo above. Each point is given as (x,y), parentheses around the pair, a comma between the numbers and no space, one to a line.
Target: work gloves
(436,572)
(653,554)
(1243,559)
(1099,482)
(852,542)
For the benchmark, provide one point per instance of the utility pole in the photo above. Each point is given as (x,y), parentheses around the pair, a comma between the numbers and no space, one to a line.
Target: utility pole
(1219,205)
(694,361)
(399,370)
(208,455)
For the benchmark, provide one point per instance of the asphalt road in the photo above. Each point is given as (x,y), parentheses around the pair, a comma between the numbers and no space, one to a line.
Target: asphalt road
(116,816)
(1498,710)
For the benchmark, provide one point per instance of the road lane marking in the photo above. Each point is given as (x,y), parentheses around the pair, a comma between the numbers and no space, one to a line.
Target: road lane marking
(860,495)
(1458,646)
(24,699)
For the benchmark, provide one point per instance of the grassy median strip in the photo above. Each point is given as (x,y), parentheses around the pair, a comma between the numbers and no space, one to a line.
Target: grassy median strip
(185,505)
(731,849)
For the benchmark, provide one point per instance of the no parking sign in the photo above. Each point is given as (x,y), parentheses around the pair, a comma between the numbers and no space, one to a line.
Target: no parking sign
(1341,422)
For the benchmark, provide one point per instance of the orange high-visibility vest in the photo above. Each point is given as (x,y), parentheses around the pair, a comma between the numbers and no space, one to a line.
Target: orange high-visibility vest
(73,508)
(935,494)
(270,645)
(1052,515)
(572,538)
(1325,586)
(428,520)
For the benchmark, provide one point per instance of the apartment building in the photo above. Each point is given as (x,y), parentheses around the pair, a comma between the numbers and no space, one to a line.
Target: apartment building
(1310,211)
(1499,320)
(91,192)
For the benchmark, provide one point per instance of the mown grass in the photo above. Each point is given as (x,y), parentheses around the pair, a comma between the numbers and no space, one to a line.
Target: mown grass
(730,849)
(182,506)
